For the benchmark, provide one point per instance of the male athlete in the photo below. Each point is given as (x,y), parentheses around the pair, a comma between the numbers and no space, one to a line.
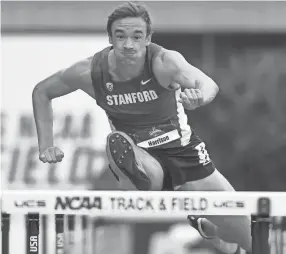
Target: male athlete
(139,85)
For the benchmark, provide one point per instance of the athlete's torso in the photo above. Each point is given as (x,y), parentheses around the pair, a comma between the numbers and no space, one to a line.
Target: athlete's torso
(141,106)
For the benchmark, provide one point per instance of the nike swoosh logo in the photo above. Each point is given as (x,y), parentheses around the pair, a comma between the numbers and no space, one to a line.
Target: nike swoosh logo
(145,82)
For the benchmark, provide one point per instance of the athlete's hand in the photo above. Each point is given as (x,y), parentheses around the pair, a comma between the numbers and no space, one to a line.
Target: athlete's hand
(191,98)
(51,155)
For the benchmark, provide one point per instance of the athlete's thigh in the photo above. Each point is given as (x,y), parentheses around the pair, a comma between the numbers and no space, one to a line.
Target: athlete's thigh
(153,167)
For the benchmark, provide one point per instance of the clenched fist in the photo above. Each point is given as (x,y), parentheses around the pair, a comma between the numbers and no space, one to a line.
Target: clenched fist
(191,98)
(51,155)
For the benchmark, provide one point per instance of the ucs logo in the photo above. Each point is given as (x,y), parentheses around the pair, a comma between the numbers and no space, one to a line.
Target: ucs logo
(30,203)
(229,204)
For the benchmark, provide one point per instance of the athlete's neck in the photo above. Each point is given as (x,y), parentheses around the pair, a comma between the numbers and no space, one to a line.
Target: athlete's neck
(121,71)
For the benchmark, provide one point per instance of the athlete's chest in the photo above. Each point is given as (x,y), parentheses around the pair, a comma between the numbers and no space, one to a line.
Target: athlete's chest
(136,93)
(142,94)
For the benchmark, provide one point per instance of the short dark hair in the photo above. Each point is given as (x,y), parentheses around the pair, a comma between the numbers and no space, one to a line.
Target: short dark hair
(129,9)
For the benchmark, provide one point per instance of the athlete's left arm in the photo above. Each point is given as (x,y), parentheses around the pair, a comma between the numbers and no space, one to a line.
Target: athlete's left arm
(199,86)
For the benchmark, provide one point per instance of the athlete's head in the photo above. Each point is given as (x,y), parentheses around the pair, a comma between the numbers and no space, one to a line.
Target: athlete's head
(129,30)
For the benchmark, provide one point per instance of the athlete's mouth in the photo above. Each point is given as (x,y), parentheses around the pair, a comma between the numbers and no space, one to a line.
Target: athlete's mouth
(129,53)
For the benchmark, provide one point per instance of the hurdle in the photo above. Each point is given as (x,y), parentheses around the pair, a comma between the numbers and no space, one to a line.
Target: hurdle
(134,206)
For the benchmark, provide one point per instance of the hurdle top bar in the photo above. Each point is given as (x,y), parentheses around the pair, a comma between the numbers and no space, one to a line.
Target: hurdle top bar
(139,204)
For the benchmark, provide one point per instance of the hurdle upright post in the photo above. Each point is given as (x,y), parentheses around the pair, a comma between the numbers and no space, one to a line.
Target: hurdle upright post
(260,227)
(32,229)
(5,228)
(84,221)
(60,239)
(44,233)
(71,229)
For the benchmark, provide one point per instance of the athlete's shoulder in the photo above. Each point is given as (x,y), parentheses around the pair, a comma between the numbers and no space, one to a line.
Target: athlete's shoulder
(169,59)
(100,56)
(165,65)
(154,49)
(83,68)
(76,70)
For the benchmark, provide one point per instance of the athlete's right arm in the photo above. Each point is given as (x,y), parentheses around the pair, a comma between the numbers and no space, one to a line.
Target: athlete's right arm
(61,83)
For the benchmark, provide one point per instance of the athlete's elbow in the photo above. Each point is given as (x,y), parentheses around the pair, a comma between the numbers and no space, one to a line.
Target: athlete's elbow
(215,88)
(210,90)
(39,93)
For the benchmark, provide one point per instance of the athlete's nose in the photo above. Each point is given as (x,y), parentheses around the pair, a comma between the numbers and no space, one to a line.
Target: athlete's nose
(128,44)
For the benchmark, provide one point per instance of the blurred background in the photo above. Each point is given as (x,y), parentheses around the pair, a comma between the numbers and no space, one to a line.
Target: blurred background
(241,45)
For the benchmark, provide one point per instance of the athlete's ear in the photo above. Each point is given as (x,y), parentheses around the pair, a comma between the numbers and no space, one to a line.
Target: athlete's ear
(110,39)
(148,39)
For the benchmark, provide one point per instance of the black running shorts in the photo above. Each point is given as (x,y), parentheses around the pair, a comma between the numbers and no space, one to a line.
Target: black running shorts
(184,164)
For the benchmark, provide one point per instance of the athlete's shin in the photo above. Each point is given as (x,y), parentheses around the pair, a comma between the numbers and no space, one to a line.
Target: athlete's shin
(230,229)
(233,229)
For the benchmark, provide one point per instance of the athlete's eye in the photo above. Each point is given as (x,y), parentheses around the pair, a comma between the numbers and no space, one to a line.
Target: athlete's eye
(119,36)
(137,37)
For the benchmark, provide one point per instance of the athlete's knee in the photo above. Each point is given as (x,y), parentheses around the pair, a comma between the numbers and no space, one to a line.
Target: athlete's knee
(151,166)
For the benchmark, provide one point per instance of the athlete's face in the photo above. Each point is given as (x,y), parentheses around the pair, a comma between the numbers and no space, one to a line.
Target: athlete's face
(129,39)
